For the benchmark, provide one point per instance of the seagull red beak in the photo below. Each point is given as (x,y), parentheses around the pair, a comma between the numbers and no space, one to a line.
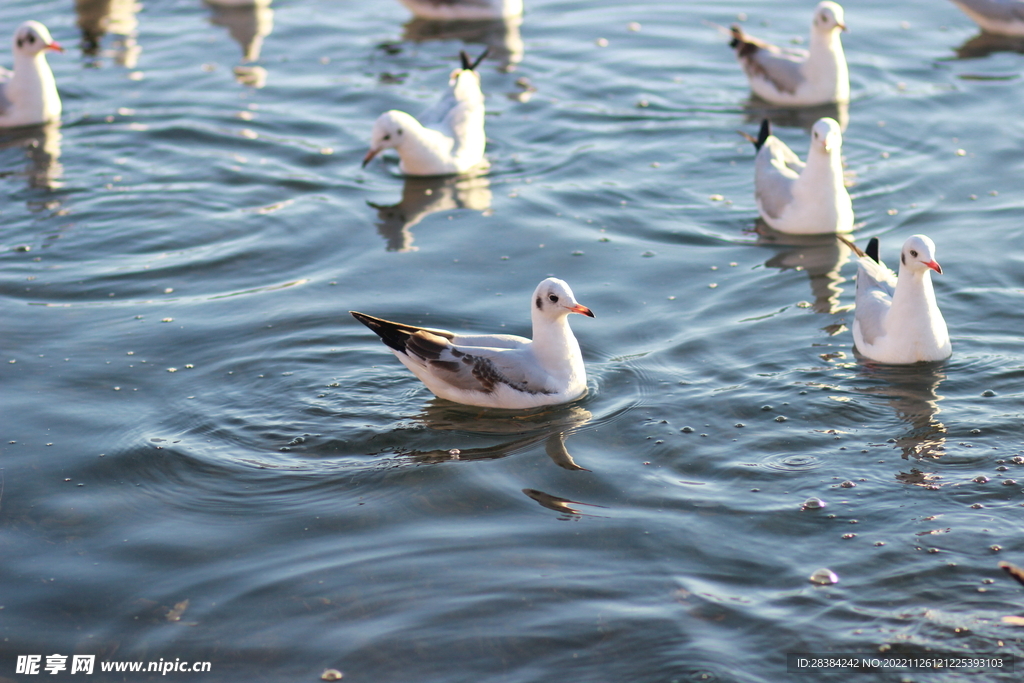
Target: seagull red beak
(579,308)
(55,46)
(369,155)
(934,266)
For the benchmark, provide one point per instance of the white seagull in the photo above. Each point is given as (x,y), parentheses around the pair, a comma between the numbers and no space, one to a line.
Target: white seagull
(897,320)
(28,95)
(497,370)
(1002,17)
(448,138)
(798,78)
(802,198)
(464,10)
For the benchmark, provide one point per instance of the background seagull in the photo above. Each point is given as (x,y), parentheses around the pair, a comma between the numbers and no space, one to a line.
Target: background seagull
(28,95)
(1002,17)
(798,77)
(464,10)
(497,370)
(448,137)
(802,198)
(897,320)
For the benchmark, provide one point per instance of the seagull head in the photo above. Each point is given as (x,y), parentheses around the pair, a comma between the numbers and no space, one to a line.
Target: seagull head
(388,132)
(31,38)
(826,136)
(918,255)
(828,16)
(553,300)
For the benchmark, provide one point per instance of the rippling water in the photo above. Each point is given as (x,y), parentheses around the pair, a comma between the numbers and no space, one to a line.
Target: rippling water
(189,413)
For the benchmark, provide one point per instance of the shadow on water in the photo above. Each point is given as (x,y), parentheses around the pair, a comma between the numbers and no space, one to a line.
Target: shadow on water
(756,110)
(821,257)
(501,36)
(96,18)
(424,196)
(517,430)
(985,44)
(42,147)
(912,392)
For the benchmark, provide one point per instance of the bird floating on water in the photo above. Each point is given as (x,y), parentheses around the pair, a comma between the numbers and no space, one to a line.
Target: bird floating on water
(802,198)
(497,370)
(1001,17)
(896,320)
(464,10)
(798,78)
(28,95)
(447,138)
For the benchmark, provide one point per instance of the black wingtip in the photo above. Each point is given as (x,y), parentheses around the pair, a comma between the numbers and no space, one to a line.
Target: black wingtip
(872,250)
(390,333)
(482,57)
(466,63)
(737,36)
(762,137)
(1016,572)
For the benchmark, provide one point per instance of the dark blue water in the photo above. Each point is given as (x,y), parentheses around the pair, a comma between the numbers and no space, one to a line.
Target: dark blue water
(190,414)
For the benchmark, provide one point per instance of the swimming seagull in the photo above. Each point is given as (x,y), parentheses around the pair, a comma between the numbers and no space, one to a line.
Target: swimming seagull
(448,138)
(497,370)
(897,320)
(28,95)
(798,78)
(1002,17)
(802,198)
(464,10)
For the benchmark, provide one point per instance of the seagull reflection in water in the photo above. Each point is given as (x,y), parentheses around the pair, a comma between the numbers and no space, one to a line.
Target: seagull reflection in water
(517,431)
(96,18)
(911,391)
(755,111)
(41,144)
(501,36)
(821,257)
(422,196)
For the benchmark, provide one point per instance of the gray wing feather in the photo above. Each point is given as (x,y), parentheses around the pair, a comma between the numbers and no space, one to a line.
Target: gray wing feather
(875,287)
(474,368)
(5,76)
(776,168)
(1000,10)
(783,69)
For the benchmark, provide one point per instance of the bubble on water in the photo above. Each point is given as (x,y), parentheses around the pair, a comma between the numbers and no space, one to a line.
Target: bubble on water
(981,479)
(847,484)
(766,408)
(1009,482)
(995,548)
(975,431)
(847,537)
(781,418)
(824,577)
(813,504)
(331,675)
(687,430)
(988,393)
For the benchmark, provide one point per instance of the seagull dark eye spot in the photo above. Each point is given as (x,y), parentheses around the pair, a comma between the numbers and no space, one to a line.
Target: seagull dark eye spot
(913,253)
(20,41)
(552,298)
(388,136)
(31,38)
(538,302)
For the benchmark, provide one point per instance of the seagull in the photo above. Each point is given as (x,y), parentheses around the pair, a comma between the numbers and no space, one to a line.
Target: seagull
(448,138)
(897,320)
(497,370)
(802,198)
(1002,17)
(798,78)
(28,95)
(464,10)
